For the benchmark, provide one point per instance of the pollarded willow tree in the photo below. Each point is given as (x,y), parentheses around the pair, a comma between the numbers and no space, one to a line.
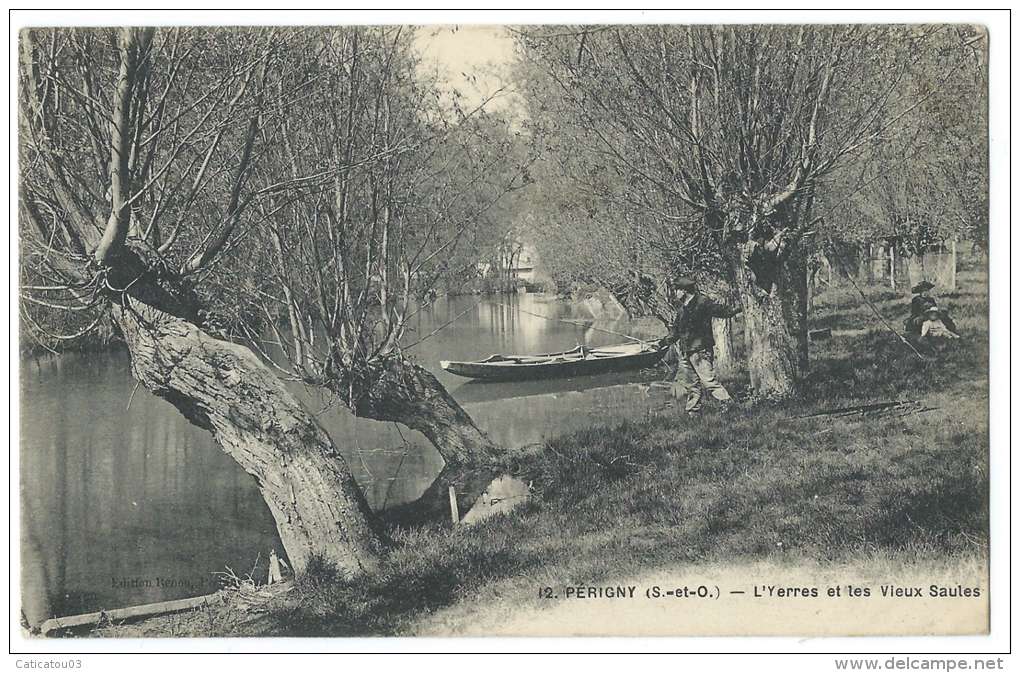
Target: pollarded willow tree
(353,259)
(137,154)
(730,132)
(928,184)
(199,187)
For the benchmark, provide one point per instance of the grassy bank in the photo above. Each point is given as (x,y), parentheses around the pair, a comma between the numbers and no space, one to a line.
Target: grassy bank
(752,485)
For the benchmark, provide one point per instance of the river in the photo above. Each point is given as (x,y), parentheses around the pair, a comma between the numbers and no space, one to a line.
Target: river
(124,502)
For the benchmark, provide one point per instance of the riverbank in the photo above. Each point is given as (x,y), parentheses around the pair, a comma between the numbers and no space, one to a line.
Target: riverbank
(721,492)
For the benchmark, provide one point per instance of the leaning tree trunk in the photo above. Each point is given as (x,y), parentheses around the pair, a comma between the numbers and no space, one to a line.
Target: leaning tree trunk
(773,293)
(400,391)
(224,388)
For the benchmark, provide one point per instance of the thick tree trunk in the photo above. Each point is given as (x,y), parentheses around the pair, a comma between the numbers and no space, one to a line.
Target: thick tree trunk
(774,298)
(796,272)
(951,284)
(722,332)
(865,266)
(400,391)
(226,389)
(879,263)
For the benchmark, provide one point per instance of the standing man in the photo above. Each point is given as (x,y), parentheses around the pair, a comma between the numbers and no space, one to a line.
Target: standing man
(691,336)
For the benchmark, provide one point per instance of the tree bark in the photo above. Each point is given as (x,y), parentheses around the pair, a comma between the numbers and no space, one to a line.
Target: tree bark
(876,263)
(879,263)
(952,265)
(722,332)
(218,385)
(773,293)
(400,391)
(224,388)
(892,267)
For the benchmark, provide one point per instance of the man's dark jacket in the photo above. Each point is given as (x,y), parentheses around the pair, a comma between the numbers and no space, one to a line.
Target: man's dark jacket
(920,304)
(692,328)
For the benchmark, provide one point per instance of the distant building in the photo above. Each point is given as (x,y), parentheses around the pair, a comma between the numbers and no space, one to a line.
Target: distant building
(526,269)
(527,261)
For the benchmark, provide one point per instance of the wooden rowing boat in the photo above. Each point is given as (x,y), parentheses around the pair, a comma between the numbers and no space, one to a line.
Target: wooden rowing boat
(579,361)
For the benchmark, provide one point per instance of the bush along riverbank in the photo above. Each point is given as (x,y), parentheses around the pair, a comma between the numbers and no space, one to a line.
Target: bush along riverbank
(902,486)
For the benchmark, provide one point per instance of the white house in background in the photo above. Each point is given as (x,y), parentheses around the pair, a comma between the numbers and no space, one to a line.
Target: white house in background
(525,267)
(527,261)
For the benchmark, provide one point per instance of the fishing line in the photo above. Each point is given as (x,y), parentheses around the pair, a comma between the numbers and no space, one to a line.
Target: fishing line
(443,326)
(576,323)
(839,260)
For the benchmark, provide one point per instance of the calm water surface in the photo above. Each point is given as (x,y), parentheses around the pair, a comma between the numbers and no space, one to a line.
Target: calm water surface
(124,502)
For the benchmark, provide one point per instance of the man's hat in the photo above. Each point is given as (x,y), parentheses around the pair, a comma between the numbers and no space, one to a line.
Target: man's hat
(683,283)
(922,286)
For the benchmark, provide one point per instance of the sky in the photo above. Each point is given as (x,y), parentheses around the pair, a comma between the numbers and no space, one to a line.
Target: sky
(461,51)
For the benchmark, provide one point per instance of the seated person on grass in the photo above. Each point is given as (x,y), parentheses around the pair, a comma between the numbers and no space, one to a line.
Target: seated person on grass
(926,319)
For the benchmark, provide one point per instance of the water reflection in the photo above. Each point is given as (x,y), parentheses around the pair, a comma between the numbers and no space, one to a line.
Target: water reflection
(124,502)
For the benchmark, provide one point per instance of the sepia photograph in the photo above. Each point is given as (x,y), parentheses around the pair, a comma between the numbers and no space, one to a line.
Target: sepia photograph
(574,328)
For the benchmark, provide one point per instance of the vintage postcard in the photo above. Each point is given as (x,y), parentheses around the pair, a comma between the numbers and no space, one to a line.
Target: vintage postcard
(528,329)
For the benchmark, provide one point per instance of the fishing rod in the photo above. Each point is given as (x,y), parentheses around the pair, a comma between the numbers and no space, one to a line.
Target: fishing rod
(849,276)
(443,326)
(578,323)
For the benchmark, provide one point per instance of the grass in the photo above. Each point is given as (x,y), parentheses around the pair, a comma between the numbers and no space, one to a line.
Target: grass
(753,485)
